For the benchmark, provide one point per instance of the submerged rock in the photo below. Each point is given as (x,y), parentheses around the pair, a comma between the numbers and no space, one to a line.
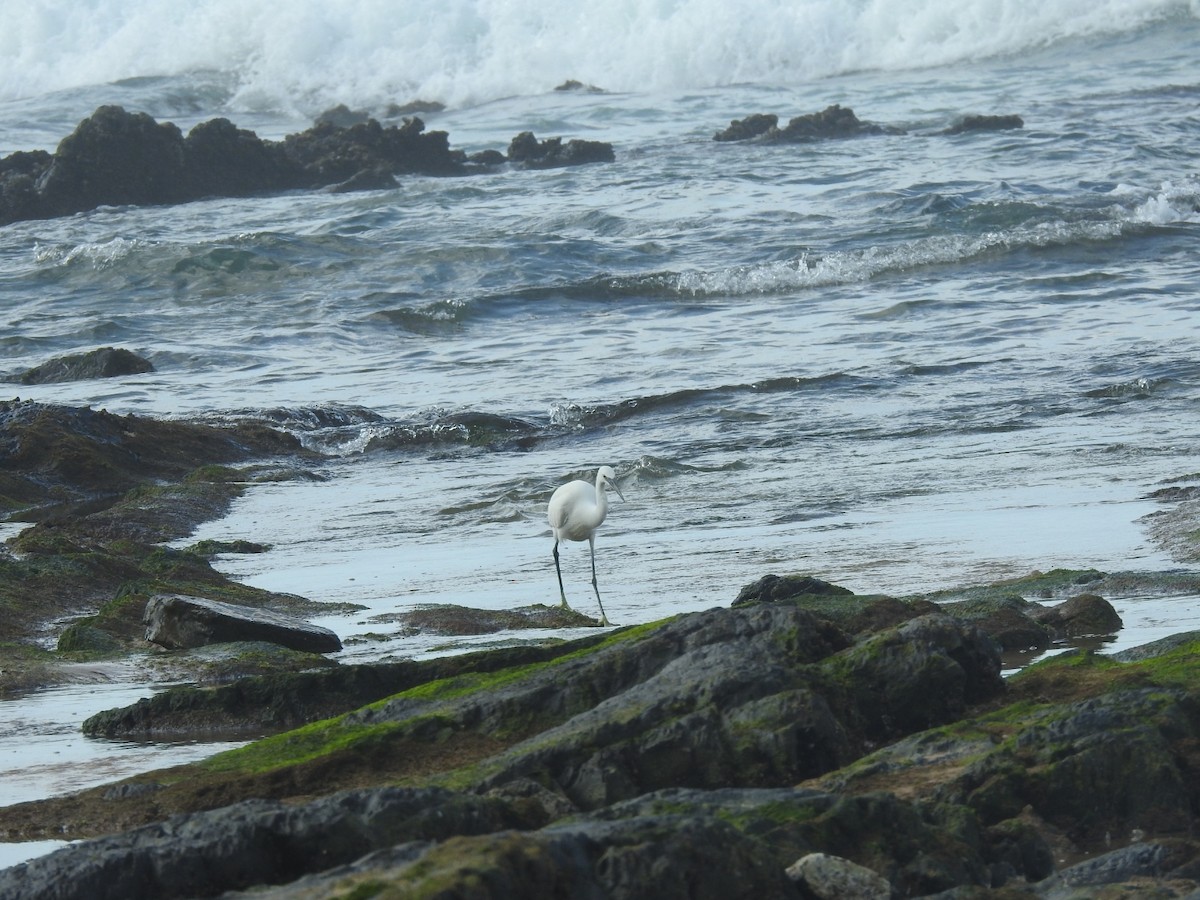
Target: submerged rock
(833,122)
(772,588)
(750,127)
(1082,615)
(527,151)
(452,619)
(985,123)
(107,362)
(178,622)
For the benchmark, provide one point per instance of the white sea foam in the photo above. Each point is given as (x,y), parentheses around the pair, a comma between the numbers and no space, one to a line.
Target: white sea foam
(302,56)
(856,266)
(1171,204)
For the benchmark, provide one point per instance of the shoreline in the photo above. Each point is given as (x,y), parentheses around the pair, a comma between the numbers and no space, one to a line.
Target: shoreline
(1008,611)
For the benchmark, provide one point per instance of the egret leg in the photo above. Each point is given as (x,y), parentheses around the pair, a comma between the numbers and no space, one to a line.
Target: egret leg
(595,587)
(558,569)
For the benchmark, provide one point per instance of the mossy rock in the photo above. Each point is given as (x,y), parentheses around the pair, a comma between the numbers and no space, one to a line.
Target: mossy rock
(209,549)
(453,619)
(83,638)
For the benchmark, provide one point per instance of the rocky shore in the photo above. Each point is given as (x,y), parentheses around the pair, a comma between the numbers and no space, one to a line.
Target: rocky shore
(795,741)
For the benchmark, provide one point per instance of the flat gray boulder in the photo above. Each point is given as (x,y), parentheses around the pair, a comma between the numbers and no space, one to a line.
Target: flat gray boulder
(178,622)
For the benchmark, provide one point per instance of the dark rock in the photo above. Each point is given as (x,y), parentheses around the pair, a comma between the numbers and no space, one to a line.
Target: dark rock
(750,127)
(178,622)
(727,697)
(527,151)
(102,490)
(572,85)
(1016,849)
(251,843)
(72,453)
(114,158)
(1089,770)
(226,161)
(658,761)
(985,123)
(19,175)
(918,848)
(107,362)
(276,702)
(1009,618)
(452,619)
(917,675)
(88,639)
(329,154)
(413,107)
(664,857)
(342,116)
(774,588)
(832,122)
(1086,614)
(487,158)
(1151,860)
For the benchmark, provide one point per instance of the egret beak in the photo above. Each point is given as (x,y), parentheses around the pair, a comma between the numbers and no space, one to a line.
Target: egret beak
(617,489)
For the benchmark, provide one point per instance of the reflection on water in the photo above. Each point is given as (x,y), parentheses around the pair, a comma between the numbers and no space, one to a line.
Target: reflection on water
(43,752)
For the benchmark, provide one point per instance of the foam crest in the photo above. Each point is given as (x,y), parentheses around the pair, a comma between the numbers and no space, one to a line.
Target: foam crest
(1171,204)
(856,266)
(306,55)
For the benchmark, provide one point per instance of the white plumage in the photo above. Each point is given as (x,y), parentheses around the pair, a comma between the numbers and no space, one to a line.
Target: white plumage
(576,510)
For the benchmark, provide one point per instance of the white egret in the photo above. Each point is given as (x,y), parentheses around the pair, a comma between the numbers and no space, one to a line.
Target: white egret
(575,512)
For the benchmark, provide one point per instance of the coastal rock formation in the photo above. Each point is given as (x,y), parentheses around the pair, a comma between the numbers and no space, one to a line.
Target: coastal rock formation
(805,738)
(178,622)
(613,768)
(102,491)
(115,158)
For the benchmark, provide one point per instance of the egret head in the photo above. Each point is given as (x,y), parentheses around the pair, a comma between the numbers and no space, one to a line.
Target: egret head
(606,477)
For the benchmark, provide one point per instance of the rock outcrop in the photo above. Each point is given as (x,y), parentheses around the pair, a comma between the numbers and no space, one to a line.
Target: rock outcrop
(101,492)
(115,158)
(767,750)
(177,623)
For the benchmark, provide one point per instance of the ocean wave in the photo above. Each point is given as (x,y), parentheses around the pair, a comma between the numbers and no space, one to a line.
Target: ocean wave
(812,269)
(577,416)
(306,56)
(338,430)
(94,254)
(430,318)
(1171,204)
